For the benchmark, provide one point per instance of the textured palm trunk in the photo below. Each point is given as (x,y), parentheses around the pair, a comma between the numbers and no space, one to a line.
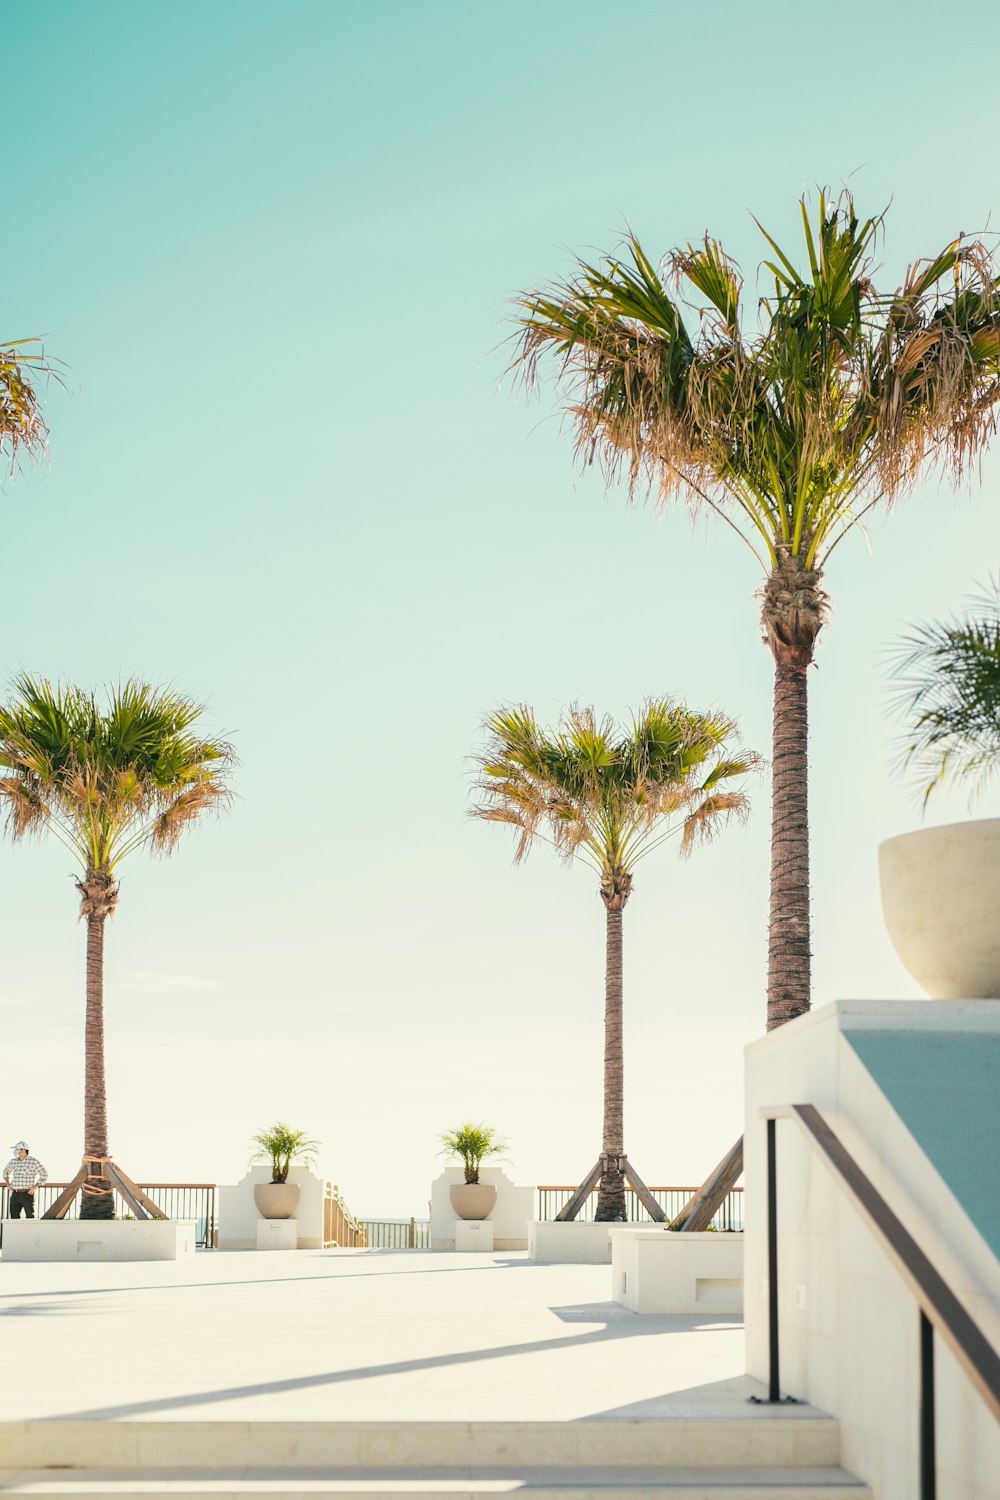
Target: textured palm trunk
(795,607)
(611,1194)
(99,893)
(789,955)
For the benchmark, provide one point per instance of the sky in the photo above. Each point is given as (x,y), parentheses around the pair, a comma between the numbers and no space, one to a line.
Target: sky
(275,250)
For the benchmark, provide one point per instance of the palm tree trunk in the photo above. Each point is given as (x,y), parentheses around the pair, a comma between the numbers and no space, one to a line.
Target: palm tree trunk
(99,1204)
(611,1195)
(789,955)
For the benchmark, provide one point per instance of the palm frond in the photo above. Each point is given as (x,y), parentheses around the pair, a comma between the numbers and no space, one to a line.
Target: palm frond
(22,427)
(789,427)
(948,689)
(603,792)
(108,779)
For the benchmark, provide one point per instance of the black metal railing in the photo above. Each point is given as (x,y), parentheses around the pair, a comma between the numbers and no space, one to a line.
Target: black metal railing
(940,1310)
(670,1199)
(178,1200)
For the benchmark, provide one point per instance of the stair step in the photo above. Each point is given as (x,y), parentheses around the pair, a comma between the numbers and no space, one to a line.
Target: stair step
(795,1436)
(781,1482)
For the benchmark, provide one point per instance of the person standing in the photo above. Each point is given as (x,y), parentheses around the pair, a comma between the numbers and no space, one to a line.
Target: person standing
(23,1174)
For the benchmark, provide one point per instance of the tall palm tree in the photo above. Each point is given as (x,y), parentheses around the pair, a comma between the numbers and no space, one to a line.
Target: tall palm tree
(789,424)
(21,422)
(609,796)
(105,781)
(948,689)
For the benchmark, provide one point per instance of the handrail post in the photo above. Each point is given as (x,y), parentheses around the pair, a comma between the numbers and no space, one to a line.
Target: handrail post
(774,1392)
(928,1460)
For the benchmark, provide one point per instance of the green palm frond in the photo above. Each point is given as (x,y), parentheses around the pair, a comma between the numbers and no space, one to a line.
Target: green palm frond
(605,793)
(107,779)
(281,1145)
(789,423)
(472,1144)
(948,689)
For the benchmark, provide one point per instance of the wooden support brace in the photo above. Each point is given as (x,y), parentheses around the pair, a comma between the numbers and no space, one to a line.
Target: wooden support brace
(699,1211)
(124,1187)
(570,1210)
(123,1181)
(645,1197)
(60,1208)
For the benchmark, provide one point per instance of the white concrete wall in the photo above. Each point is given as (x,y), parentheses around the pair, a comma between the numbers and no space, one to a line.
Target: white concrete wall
(98,1239)
(239,1214)
(660,1271)
(511,1212)
(848,1325)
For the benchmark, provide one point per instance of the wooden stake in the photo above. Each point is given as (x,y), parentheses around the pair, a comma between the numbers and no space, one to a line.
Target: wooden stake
(570,1210)
(60,1208)
(699,1211)
(645,1197)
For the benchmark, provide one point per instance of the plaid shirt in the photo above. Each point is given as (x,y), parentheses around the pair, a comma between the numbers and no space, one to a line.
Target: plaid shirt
(25,1174)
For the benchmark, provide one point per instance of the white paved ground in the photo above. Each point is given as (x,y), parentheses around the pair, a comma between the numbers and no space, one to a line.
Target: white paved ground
(350,1335)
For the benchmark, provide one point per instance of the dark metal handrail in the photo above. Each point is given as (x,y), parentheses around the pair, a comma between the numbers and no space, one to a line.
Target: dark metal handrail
(940,1309)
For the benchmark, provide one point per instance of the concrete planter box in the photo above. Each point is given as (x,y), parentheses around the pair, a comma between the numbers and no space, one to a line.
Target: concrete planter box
(658,1271)
(509,1215)
(578,1242)
(239,1215)
(940,895)
(97,1239)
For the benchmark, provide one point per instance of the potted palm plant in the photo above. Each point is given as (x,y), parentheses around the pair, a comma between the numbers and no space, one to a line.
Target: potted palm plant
(280,1145)
(941,886)
(473,1199)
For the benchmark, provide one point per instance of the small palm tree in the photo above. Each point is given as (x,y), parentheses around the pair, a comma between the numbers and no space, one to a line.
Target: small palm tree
(105,781)
(949,692)
(788,424)
(281,1145)
(473,1144)
(609,796)
(21,422)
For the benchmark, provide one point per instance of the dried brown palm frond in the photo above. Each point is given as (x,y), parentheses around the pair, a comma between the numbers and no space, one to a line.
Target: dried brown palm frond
(710,817)
(22,427)
(25,811)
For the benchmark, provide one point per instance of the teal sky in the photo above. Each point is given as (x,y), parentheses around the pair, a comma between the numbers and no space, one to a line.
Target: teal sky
(274,247)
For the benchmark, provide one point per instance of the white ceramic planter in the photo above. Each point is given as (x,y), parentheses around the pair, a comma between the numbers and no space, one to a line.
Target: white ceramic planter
(941,900)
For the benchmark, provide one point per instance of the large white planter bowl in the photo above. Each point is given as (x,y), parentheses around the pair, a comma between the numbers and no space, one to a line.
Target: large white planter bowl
(941,901)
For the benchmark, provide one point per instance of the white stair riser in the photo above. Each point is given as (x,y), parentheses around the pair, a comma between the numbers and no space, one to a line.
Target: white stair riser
(761,1441)
(80,1488)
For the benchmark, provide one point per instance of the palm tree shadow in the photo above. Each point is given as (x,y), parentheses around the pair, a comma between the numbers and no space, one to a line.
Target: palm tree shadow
(613,1323)
(183,1286)
(43,1310)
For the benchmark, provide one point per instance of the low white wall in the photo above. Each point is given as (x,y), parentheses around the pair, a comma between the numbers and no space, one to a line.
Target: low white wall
(658,1271)
(576,1242)
(511,1212)
(848,1325)
(239,1214)
(97,1239)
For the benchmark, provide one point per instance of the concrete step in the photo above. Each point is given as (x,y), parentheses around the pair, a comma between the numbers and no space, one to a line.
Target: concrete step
(783,1482)
(754,1436)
